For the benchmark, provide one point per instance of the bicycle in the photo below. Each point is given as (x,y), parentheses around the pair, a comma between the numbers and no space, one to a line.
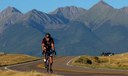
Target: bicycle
(48,66)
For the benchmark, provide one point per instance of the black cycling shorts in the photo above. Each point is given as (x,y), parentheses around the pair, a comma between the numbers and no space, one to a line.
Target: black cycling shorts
(49,53)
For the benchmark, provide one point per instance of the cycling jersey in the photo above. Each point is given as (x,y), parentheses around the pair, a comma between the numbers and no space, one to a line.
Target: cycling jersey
(47,44)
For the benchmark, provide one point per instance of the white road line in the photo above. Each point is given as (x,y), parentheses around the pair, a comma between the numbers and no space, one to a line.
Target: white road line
(6,68)
(70,61)
(21,64)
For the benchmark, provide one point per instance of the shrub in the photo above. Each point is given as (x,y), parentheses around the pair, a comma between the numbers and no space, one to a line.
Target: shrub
(95,59)
(83,60)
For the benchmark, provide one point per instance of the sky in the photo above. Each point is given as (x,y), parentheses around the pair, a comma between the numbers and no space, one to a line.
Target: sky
(50,5)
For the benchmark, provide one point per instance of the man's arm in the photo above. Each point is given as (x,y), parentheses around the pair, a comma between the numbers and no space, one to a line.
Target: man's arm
(52,44)
(43,46)
(53,47)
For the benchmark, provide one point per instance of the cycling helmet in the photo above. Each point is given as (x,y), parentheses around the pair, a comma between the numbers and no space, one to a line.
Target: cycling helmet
(47,35)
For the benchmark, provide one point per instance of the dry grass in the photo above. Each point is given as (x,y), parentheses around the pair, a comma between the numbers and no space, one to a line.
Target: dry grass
(10,59)
(15,59)
(14,73)
(119,61)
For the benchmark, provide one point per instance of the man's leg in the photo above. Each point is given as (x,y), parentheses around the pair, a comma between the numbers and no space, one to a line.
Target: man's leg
(51,62)
(44,57)
(45,60)
(44,53)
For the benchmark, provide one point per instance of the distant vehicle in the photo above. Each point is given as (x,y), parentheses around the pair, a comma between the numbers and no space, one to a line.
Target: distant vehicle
(107,54)
(2,53)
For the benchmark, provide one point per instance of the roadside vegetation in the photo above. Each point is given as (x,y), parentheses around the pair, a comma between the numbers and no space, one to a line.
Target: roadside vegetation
(14,73)
(119,61)
(9,59)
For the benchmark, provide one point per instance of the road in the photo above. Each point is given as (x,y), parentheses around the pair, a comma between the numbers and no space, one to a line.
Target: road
(62,67)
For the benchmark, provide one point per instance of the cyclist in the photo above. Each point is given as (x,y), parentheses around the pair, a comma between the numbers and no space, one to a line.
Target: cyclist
(48,48)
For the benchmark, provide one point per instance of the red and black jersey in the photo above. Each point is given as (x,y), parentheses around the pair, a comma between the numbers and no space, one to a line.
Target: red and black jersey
(47,44)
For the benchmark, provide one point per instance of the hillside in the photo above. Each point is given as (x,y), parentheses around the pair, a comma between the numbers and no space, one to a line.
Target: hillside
(119,61)
(10,59)
(15,73)
(93,31)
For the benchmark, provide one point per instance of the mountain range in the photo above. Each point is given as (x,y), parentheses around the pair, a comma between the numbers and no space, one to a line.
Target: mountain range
(76,31)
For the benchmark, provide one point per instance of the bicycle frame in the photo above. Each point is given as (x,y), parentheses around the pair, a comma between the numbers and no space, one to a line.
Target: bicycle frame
(47,63)
(49,66)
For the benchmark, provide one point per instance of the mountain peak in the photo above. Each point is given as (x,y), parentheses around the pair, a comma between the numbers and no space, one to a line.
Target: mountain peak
(125,9)
(69,12)
(101,6)
(35,13)
(72,8)
(102,3)
(32,13)
(11,10)
(34,10)
(41,18)
(69,8)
